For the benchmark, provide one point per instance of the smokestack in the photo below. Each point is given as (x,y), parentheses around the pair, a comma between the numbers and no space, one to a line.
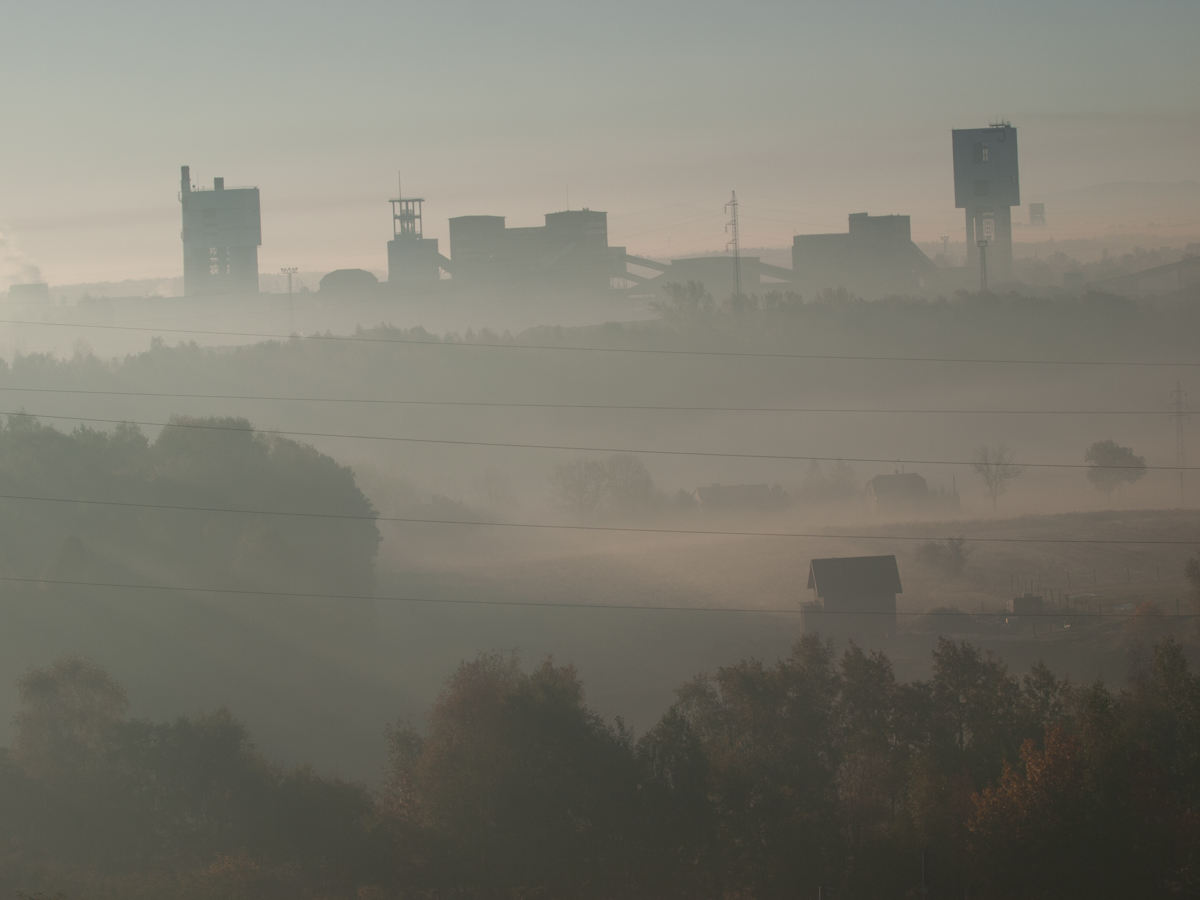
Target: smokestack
(185,180)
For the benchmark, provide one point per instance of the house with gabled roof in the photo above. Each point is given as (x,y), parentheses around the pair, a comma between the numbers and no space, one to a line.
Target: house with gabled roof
(855,596)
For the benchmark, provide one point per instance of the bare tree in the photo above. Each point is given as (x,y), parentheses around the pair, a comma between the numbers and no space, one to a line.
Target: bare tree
(580,486)
(628,485)
(996,467)
(684,300)
(495,491)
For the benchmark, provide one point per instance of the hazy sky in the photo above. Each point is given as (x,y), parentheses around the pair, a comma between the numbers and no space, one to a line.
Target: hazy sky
(652,111)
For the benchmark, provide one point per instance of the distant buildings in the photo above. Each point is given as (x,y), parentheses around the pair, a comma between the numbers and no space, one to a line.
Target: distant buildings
(413,259)
(855,597)
(906,493)
(569,252)
(876,256)
(718,275)
(37,291)
(222,231)
(741,498)
(349,281)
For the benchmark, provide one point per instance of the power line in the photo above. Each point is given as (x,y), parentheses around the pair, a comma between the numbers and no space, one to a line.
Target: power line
(416,520)
(639,350)
(613,406)
(465,601)
(512,445)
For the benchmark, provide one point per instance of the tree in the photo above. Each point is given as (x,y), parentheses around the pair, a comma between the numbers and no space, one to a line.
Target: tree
(1028,836)
(621,484)
(67,719)
(520,788)
(1192,571)
(495,491)
(1110,466)
(766,732)
(628,485)
(579,486)
(949,558)
(996,467)
(685,300)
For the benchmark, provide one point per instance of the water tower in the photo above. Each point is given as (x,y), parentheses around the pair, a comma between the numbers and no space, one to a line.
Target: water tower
(987,185)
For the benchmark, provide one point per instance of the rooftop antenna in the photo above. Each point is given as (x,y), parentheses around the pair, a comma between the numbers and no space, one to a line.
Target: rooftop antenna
(732,230)
(1179,414)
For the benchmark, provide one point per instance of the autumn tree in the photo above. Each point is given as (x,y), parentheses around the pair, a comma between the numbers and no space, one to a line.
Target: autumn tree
(1028,835)
(767,735)
(517,786)
(67,719)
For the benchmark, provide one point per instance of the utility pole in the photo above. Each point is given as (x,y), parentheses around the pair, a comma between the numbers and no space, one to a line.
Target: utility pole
(289,271)
(946,250)
(983,265)
(1179,414)
(732,230)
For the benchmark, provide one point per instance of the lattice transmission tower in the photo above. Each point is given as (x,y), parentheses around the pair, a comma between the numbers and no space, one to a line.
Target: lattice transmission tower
(1179,415)
(732,230)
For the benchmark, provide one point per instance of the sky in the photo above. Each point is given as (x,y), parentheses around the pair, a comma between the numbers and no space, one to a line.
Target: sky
(651,111)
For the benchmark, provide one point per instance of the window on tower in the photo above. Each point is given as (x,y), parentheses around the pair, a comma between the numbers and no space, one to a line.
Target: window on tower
(980,152)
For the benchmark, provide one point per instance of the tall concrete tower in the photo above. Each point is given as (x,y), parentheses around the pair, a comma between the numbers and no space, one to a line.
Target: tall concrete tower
(987,185)
(222,231)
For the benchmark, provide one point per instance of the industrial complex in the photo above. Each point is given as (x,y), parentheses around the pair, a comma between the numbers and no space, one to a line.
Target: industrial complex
(570,252)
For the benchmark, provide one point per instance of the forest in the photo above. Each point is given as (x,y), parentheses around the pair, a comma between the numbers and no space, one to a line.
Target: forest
(104,506)
(762,780)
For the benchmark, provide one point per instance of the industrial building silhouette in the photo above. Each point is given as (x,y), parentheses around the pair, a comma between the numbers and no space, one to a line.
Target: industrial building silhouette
(222,231)
(570,252)
(987,185)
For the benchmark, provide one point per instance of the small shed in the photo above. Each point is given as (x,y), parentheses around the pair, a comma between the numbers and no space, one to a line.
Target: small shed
(1027,605)
(857,595)
(900,492)
(908,492)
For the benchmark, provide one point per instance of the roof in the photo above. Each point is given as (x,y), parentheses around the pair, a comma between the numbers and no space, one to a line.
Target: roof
(855,575)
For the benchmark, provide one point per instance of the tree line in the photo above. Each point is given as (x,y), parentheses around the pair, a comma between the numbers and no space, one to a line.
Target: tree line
(102,508)
(820,772)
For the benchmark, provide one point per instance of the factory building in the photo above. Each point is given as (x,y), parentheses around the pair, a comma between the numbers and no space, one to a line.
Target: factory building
(720,275)
(413,259)
(875,257)
(222,231)
(987,185)
(569,252)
